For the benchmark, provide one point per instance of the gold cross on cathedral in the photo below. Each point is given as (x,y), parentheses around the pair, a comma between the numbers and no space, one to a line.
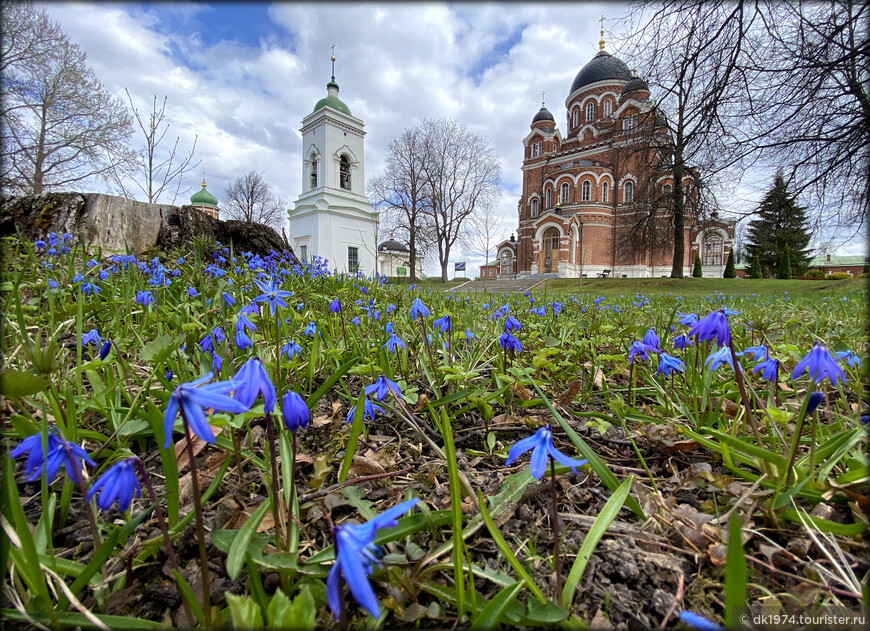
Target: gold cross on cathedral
(601,41)
(543,102)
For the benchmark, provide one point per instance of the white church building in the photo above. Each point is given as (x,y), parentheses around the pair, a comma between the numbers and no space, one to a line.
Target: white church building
(332,218)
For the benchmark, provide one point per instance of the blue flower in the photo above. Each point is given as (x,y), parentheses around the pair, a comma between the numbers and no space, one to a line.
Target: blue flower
(251,380)
(39,244)
(820,364)
(382,387)
(92,337)
(52,284)
(541,442)
(369,411)
(242,340)
(758,352)
(770,370)
(119,483)
(509,343)
(641,350)
(335,306)
(815,400)
(720,357)
(290,349)
(52,459)
(310,330)
(713,326)
(244,323)
(443,324)
(699,622)
(668,365)
(216,362)
(228,299)
(272,295)
(296,413)
(512,324)
(355,553)
(90,288)
(393,342)
(651,339)
(104,350)
(192,292)
(192,397)
(682,342)
(355,320)
(418,310)
(851,358)
(468,335)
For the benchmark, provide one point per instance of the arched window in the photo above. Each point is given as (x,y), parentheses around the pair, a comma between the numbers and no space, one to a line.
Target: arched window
(605,192)
(585,191)
(563,197)
(549,199)
(590,112)
(313,170)
(507,261)
(536,149)
(344,173)
(667,190)
(628,192)
(713,250)
(575,117)
(687,194)
(608,107)
(535,208)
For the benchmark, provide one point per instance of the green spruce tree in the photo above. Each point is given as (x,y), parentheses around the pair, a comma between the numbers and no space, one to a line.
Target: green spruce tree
(783,270)
(730,272)
(755,268)
(696,271)
(779,222)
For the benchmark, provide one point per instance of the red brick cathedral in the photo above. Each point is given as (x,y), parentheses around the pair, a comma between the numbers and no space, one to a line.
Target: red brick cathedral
(594,203)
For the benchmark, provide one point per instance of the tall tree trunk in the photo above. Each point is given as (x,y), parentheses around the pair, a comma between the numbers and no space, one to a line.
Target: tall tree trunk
(679,217)
(412,260)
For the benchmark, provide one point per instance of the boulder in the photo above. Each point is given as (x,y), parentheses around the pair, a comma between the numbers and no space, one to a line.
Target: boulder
(121,224)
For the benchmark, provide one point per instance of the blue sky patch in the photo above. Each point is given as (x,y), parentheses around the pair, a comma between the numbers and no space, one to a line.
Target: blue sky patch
(501,50)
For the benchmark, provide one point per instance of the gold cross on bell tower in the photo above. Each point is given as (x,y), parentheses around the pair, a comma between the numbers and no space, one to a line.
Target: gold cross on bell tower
(601,41)
(332,58)
(543,102)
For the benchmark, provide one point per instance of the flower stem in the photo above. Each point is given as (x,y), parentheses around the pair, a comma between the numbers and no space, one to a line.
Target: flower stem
(557,561)
(200,529)
(80,481)
(747,407)
(292,481)
(273,462)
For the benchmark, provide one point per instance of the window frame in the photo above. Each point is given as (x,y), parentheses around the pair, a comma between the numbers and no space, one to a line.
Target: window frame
(605,189)
(575,117)
(549,198)
(344,177)
(352,259)
(586,191)
(590,112)
(534,209)
(608,107)
(628,192)
(564,193)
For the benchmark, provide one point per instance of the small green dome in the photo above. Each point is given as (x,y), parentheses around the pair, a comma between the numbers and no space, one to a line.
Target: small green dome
(203,198)
(333,102)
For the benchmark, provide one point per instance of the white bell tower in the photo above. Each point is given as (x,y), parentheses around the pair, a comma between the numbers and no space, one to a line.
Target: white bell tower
(332,218)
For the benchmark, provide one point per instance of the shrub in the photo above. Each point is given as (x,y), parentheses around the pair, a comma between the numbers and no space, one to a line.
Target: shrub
(815,273)
(838,276)
(696,271)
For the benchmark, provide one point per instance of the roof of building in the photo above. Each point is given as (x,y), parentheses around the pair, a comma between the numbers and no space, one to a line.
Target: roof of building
(203,198)
(393,246)
(602,66)
(635,85)
(543,115)
(490,264)
(822,261)
(332,99)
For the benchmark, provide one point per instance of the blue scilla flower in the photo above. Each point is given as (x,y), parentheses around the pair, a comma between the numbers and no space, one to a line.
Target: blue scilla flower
(251,380)
(52,284)
(105,348)
(541,444)
(295,411)
(769,370)
(669,365)
(355,320)
(851,357)
(228,299)
(820,364)
(310,330)
(468,335)
(192,292)
(697,621)
(640,350)
(719,358)
(192,397)
(40,245)
(335,306)
(651,339)
(390,308)
(540,311)
(512,324)
(687,319)
(90,288)
(78,278)
(509,343)
(355,553)
(713,326)
(118,484)
(244,323)
(216,363)
(92,337)
(393,343)
(758,353)
(370,410)
(242,341)
(443,324)
(388,327)
(58,453)
(418,310)
(682,342)
(291,349)
(144,298)
(382,387)
(815,399)
(272,295)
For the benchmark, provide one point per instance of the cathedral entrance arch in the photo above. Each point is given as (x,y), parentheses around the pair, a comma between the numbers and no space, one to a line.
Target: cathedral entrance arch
(507,263)
(550,250)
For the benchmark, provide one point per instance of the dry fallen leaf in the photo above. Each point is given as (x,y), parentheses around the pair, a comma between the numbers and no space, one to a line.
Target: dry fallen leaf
(365,466)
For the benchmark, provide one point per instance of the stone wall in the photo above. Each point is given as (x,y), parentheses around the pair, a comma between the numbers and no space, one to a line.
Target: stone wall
(119,224)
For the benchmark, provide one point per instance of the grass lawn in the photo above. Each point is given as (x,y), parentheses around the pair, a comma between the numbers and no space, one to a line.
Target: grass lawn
(699,286)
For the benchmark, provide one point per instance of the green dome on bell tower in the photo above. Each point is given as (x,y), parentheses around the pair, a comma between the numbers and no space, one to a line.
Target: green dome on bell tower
(203,198)
(331,99)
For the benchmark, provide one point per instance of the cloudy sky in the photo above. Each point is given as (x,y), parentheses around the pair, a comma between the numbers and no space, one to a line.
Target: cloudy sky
(241,77)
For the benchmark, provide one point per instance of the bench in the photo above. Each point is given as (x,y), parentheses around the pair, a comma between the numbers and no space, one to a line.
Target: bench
(584,275)
(604,274)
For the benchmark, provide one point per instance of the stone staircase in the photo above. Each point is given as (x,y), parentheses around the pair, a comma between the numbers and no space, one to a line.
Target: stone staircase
(501,285)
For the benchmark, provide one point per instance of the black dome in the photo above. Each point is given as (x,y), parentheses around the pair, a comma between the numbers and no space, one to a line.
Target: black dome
(603,66)
(635,85)
(543,115)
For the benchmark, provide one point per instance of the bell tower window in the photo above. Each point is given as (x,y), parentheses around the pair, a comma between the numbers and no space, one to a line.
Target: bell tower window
(344,173)
(313,171)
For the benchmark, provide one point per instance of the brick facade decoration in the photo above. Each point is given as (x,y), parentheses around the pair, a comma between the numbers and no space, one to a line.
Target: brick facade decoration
(591,203)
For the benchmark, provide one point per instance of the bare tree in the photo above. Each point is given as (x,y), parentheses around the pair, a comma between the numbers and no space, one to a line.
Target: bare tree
(463,176)
(402,197)
(484,230)
(60,126)
(156,170)
(694,60)
(249,198)
(814,60)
